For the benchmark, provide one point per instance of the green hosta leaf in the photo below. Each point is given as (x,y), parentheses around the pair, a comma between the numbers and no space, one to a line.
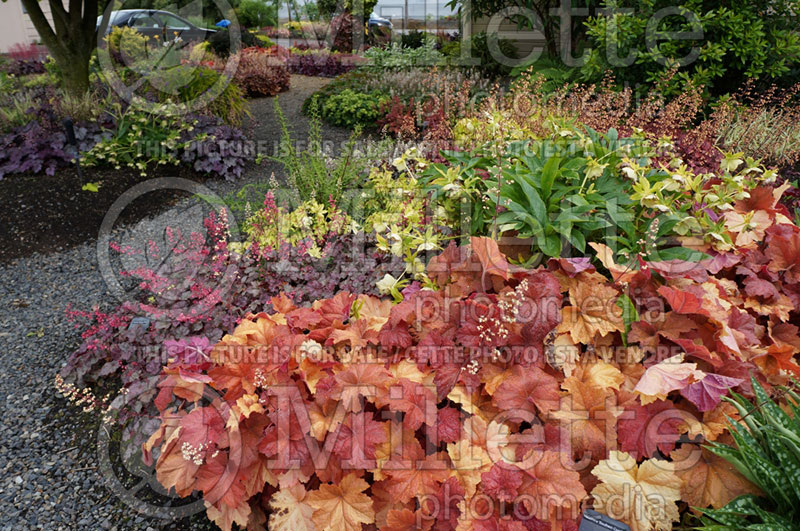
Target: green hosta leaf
(549,173)
(577,240)
(551,245)
(679,253)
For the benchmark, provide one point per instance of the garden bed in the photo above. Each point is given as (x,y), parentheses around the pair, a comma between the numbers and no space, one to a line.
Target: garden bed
(46,214)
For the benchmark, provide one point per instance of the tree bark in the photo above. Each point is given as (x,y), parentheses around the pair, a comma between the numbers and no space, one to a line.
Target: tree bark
(70,40)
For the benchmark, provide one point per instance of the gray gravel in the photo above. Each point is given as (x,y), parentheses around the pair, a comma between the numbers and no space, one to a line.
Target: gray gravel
(49,454)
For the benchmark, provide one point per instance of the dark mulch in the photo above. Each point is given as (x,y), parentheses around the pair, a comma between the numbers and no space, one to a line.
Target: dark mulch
(43,214)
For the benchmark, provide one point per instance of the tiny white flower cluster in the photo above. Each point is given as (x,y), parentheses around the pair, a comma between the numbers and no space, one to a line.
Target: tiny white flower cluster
(261,379)
(486,332)
(84,398)
(510,308)
(473,367)
(195,455)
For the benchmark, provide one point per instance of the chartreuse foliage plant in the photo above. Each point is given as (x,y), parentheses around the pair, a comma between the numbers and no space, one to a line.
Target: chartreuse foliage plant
(143,138)
(353,109)
(767,453)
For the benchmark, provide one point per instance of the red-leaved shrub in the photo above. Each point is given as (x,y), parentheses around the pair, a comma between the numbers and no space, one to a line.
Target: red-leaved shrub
(26,52)
(343,31)
(262,72)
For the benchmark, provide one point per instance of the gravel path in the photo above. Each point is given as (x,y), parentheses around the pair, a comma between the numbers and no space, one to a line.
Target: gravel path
(49,451)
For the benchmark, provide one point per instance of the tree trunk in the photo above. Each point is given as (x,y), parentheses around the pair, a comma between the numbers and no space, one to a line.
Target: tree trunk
(75,74)
(70,40)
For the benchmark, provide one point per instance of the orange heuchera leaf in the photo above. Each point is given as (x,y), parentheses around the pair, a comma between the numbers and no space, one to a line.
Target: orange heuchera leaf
(713,424)
(492,260)
(783,250)
(374,311)
(590,415)
(416,477)
(225,516)
(672,374)
(469,462)
(592,311)
(529,389)
(606,257)
(682,301)
(360,380)
(643,496)
(406,520)
(644,429)
(290,511)
(709,480)
(550,480)
(342,507)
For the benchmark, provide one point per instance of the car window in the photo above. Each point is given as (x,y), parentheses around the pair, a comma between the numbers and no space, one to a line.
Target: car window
(143,20)
(173,23)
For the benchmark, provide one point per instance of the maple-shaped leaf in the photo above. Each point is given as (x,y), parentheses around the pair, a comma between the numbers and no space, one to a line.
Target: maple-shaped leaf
(374,311)
(358,335)
(712,424)
(361,380)
(549,478)
(529,389)
(358,438)
(599,374)
(447,428)
(406,520)
(759,287)
(502,482)
(416,477)
(492,260)
(592,311)
(643,496)
(708,392)
(606,256)
(642,430)
(571,266)
(708,479)
(589,414)
(281,303)
(778,358)
(748,227)
(669,375)
(395,334)
(342,507)
(469,462)
(290,512)
(225,516)
(172,470)
(783,250)
(417,401)
(682,301)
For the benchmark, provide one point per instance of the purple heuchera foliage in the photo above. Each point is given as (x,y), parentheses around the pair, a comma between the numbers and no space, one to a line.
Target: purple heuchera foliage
(41,145)
(223,152)
(36,147)
(321,64)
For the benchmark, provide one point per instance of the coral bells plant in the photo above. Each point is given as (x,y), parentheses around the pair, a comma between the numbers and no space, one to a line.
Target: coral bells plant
(192,300)
(498,397)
